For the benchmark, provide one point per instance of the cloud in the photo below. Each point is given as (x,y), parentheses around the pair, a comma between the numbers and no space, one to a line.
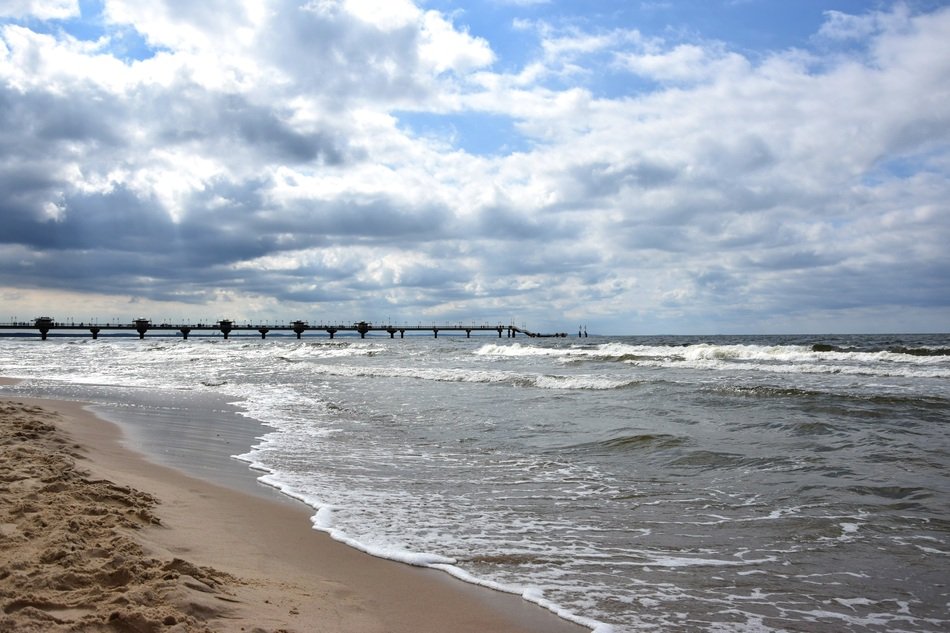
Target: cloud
(686,63)
(40,9)
(843,26)
(257,154)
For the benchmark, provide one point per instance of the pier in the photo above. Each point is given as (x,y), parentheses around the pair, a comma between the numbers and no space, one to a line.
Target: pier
(143,326)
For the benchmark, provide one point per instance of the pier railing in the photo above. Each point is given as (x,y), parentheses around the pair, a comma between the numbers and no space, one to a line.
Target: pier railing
(45,325)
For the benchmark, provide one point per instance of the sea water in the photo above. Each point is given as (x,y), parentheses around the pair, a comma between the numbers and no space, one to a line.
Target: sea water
(628,483)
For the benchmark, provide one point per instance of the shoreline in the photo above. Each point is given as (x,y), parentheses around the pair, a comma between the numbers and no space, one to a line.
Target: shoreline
(265,566)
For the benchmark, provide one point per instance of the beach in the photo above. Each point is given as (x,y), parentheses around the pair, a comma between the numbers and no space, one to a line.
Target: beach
(622,484)
(94,537)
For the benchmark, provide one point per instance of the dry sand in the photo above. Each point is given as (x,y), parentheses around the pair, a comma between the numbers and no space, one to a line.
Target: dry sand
(93,537)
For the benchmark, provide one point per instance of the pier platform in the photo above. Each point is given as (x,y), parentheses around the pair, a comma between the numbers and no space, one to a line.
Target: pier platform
(225,327)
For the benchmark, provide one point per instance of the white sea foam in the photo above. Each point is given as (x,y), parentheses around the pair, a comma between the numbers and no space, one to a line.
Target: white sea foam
(773,359)
(516,350)
(324,521)
(582,382)
(680,561)
(546,381)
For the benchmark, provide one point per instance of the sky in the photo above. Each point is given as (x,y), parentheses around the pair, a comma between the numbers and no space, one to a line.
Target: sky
(636,167)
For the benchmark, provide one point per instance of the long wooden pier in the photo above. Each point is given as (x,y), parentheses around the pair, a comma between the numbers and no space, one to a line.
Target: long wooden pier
(45,325)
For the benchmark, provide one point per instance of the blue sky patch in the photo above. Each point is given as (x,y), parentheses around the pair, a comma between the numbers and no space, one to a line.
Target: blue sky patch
(477,133)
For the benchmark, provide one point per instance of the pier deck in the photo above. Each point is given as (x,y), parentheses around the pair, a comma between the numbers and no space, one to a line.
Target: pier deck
(45,325)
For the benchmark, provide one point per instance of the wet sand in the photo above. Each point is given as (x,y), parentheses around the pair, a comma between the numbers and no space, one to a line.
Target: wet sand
(94,537)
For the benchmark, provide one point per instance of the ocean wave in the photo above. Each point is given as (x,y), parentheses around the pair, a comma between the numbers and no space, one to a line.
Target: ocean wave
(893,492)
(913,400)
(766,391)
(913,363)
(895,349)
(342,349)
(635,443)
(718,460)
(654,441)
(539,381)
(606,352)
(582,382)
(708,459)
(860,367)
(517,350)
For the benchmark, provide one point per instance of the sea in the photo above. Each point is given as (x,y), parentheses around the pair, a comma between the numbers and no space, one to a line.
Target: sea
(628,483)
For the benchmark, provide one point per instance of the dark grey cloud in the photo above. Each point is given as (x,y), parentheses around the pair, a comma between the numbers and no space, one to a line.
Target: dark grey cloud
(340,58)
(26,187)
(602,179)
(511,223)
(230,125)
(40,125)
(119,220)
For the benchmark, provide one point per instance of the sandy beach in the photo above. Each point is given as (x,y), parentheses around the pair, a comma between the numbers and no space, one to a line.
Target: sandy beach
(94,537)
